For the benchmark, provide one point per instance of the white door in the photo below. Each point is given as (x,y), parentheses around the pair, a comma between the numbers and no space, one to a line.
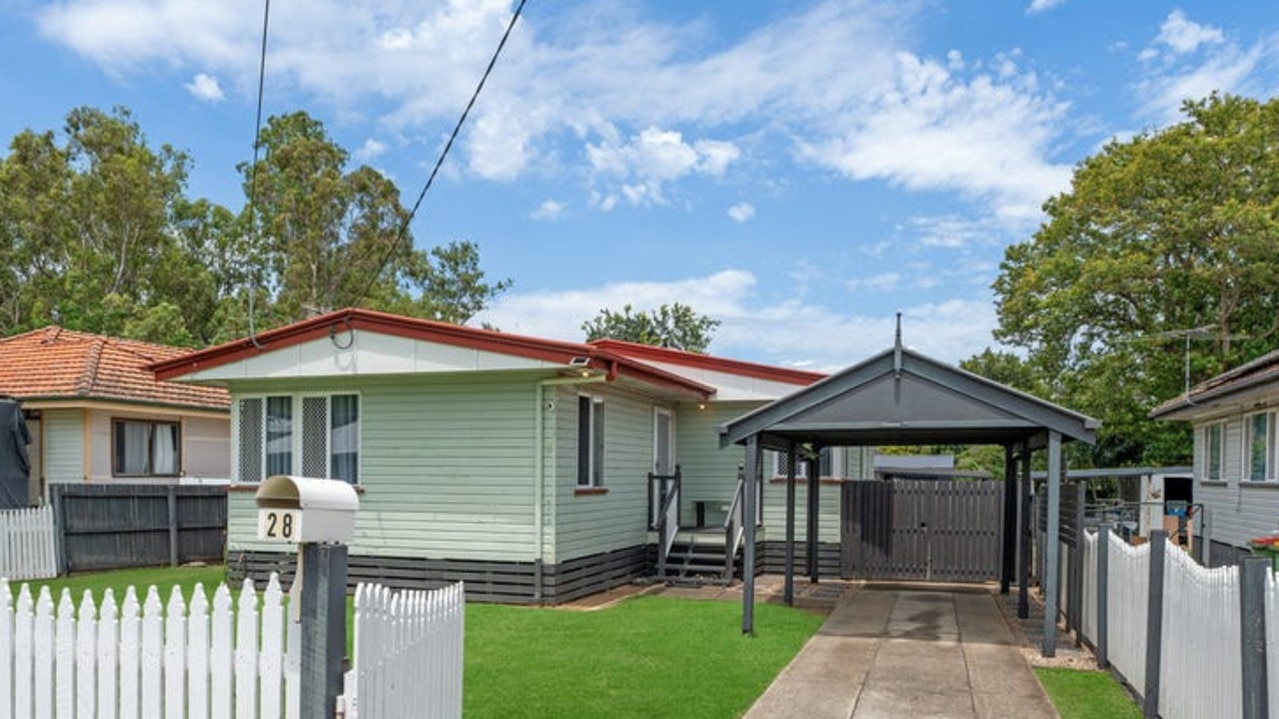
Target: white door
(663,461)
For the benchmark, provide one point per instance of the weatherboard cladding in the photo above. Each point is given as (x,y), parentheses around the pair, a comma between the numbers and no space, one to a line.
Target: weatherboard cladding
(1239,510)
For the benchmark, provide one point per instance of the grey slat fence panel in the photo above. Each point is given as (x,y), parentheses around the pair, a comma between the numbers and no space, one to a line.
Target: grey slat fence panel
(111,526)
(945,530)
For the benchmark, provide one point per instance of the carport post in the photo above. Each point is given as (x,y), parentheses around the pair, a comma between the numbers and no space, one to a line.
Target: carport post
(789,589)
(1023,535)
(748,521)
(1010,519)
(814,497)
(1052,552)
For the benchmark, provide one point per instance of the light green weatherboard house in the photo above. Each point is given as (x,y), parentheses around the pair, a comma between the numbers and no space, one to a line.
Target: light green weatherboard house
(537,470)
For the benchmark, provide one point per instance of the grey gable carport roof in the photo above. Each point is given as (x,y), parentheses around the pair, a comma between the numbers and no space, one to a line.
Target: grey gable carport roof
(902,397)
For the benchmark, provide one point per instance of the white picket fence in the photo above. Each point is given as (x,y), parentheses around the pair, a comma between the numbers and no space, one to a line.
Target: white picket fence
(408,654)
(1201,671)
(197,660)
(27,543)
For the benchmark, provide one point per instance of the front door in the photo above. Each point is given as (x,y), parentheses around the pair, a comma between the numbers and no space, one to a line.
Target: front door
(663,460)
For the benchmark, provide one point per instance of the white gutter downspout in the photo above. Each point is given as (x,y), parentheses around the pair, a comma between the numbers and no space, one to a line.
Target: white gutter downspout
(540,407)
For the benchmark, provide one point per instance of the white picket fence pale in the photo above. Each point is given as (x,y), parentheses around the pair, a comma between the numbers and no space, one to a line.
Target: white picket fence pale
(229,658)
(144,659)
(1127,604)
(28,548)
(1201,666)
(408,654)
(1201,671)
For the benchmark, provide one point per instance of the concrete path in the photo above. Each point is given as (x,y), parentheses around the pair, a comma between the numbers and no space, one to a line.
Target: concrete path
(908,652)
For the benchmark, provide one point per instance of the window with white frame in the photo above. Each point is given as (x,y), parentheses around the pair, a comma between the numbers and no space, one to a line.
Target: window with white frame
(832,464)
(145,448)
(590,441)
(1259,447)
(315,435)
(1215,450)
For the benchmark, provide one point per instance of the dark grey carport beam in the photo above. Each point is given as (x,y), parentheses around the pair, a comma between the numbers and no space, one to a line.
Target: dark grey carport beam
(904,398)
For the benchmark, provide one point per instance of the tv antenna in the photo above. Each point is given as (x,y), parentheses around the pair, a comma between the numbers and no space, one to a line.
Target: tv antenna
(1205,332)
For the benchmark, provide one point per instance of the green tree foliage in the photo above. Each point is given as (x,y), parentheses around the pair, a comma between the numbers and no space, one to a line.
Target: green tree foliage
(330,238)
(1168,231)
(675,326)
(97,234)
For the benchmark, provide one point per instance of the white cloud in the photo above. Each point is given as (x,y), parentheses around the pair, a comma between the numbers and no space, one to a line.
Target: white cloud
(779,332)
(877,283)
(548,210)
(1038,6)
(956,232)
(205,87)
(1189,61)
(741,212)
(644,164)
(984,137)
(1184,36)
(370,150)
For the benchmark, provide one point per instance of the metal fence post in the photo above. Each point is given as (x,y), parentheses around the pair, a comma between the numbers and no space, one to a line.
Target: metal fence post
(1252,608)
(173,526)
(1103,583)
(1154,623)
(323,627)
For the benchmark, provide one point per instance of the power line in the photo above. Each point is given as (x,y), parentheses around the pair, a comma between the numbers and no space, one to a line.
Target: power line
(439,162)
(253,169)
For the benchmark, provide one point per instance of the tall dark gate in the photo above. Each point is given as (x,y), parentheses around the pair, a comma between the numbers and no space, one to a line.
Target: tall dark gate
(944,530)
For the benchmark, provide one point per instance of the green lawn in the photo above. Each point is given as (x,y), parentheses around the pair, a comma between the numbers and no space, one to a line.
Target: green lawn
(119,580)
(1087,695)
(644,657)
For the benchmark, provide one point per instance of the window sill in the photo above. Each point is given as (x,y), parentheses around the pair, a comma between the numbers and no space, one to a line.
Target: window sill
(589,491)
(1213,483)
(253,487)
(1259,484)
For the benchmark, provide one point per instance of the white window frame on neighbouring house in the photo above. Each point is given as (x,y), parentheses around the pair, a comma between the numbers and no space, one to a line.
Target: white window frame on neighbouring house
(1215,451)
(1259,447)
(832,464)
(145,447)
(590,441)
(314,434)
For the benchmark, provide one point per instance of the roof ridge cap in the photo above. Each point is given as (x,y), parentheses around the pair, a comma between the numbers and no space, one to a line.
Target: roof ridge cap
(92,360)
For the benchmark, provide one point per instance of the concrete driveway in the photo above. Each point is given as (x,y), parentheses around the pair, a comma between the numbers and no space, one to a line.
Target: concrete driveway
(916,652)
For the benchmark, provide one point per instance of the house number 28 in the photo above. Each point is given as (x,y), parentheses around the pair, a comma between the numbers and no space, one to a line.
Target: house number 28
(280,525)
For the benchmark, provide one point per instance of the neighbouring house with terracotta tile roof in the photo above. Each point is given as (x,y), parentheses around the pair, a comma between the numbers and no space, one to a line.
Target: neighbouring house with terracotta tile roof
(96,413)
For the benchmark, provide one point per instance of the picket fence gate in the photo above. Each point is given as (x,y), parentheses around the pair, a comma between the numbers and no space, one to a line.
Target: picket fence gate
(28,548)
(230,658)
(408,654)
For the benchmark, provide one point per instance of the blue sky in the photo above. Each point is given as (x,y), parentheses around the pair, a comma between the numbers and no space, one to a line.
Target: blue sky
(799,170)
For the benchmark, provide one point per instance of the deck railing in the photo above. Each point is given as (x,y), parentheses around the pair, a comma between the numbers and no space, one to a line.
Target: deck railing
(734,527)
(665,490)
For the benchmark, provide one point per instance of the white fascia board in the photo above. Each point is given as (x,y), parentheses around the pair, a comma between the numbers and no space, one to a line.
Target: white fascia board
(364,353)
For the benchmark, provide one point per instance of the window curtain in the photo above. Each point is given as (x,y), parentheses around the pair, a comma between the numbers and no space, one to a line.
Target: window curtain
(131,447)
(344,437)
(166,449)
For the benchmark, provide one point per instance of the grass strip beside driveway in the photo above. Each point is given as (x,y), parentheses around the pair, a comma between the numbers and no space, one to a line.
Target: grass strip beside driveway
(1079,694)
(645,657)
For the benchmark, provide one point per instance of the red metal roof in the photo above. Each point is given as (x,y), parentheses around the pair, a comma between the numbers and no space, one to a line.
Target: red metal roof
(59,364)
(337,322)
(708,362)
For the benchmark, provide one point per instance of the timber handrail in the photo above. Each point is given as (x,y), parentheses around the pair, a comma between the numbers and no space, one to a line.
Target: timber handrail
(734,527)
(668,491)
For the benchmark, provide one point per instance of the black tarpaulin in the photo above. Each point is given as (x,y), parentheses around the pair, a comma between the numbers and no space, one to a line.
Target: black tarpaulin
(15,465)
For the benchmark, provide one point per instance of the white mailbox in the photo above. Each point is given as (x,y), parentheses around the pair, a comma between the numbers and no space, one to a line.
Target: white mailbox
(305,509)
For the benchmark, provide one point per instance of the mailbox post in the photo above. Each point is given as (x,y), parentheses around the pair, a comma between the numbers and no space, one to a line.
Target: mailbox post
(319,516)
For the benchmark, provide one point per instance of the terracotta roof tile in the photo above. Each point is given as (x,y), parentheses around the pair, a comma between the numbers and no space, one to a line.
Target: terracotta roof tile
(55,363)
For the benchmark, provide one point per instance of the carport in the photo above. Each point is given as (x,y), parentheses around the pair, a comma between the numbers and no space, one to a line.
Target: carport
(901,397)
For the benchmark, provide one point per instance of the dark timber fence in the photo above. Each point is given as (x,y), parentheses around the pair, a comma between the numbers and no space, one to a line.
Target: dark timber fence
(111,526)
